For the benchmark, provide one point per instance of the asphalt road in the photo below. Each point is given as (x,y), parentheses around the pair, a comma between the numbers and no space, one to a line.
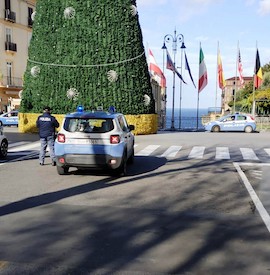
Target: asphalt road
(175,212)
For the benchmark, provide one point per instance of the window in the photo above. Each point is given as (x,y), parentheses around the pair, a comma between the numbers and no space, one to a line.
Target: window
(123,123)
(9,73)
(30,21)
(7,4)
(88,125)
(8,35)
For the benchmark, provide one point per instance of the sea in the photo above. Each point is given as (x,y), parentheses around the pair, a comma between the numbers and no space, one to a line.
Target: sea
(188,118)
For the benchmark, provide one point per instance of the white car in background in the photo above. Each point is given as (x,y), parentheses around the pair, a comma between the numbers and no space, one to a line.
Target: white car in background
(3,144)
(236,122)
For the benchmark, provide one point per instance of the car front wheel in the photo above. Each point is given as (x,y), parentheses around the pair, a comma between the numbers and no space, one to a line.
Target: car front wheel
(215,128)
(3,148)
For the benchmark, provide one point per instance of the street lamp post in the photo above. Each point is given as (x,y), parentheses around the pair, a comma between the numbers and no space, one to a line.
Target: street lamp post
(175,38)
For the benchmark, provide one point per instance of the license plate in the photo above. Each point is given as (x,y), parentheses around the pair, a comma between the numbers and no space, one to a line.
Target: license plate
(83,141)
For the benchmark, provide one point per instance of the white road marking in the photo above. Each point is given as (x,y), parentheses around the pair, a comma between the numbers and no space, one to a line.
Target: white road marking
(171,151)
(248,153)
(17,144)
(147,150)
(33,145)
(267,150)
(196,152)
(258,204)
(222,153)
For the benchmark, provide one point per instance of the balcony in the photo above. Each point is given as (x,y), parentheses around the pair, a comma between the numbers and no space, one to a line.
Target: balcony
(11,82)
(10,16)
(9,46)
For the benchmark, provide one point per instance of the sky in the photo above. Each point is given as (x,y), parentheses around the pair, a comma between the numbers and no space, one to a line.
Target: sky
(211,23)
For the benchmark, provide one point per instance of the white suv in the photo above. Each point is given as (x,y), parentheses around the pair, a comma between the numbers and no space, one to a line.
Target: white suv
(94,139)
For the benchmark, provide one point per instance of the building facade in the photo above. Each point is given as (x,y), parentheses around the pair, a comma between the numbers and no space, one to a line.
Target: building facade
(232,86)
(15,35)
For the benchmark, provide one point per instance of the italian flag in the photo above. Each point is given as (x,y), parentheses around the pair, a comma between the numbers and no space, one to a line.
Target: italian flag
(202,73)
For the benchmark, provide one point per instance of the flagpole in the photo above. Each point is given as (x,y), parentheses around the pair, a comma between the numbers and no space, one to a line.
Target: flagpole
(216,77)
(198,95)
(253,92)
(235,80)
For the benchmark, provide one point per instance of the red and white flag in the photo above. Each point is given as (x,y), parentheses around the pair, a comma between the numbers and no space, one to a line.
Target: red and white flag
(156,71)
(240,69)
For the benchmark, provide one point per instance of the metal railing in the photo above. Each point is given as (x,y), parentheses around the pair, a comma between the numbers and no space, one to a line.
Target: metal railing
(9,46)
(10,15)
(9,81)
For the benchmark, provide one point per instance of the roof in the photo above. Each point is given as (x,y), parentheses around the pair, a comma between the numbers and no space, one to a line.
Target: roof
(246,78)
(93,114)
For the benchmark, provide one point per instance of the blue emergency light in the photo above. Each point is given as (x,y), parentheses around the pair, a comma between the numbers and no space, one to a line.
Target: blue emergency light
(80,109)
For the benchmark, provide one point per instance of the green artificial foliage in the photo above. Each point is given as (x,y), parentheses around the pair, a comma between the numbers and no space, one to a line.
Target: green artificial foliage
(74,45)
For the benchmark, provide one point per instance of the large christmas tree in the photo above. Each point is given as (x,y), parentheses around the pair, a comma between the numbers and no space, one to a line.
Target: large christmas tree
(87,52)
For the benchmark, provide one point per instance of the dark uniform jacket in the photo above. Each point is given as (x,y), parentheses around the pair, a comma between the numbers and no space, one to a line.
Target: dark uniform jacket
(46,124)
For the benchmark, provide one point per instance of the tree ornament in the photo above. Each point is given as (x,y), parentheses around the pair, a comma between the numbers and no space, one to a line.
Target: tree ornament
(112,76)
(134,10)
(33,16)
(147,100)
(69,13)
(72,93)
(35,71)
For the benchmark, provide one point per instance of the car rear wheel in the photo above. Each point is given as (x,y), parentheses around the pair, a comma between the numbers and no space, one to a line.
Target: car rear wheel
(62,170)
(248,129)
(3,148)
(122,169)
(215,128)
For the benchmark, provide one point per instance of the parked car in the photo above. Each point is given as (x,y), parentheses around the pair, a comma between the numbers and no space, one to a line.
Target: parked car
(9,118)
(94,139)
(233,122)
(3,144)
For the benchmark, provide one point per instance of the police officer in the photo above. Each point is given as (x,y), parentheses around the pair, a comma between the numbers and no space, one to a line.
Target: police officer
(46,123)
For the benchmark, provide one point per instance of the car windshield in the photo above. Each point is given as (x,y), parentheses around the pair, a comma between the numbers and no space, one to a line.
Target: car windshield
(88,125)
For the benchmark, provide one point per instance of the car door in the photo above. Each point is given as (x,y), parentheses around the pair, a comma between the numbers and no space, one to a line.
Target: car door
(228,123)
(13,118)
(128,136)
(240,122)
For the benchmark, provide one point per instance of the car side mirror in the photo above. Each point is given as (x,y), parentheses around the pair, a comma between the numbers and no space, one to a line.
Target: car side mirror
(131,127)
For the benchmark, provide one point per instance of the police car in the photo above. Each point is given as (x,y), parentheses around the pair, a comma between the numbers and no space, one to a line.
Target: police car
(94,139)
(3,144)
(234,122)
(9,118)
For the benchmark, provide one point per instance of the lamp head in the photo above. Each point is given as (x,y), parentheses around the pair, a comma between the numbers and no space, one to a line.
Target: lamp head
(164,46)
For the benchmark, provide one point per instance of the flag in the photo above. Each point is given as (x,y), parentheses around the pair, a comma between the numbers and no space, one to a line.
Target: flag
(188,68)
(170,66)
(258,72)
(240,69)
(156,71)
(221,80)
(202,72)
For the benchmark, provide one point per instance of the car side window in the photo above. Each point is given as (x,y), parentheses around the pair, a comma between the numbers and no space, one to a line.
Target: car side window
(123,123)
(241,118)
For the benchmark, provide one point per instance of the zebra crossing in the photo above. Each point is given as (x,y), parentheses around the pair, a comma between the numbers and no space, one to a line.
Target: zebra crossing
(21,150)
(199,152)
